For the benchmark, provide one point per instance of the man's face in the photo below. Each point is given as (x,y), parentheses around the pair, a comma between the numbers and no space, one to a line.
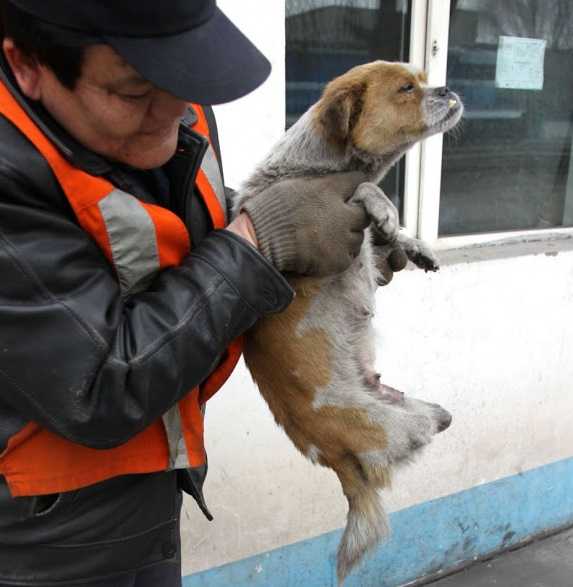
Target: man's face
(113,111)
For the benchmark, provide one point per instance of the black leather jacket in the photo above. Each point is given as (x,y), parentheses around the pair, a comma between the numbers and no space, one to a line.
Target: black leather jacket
(92,366)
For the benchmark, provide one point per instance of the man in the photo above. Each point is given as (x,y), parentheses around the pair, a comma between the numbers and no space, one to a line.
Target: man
(123,293)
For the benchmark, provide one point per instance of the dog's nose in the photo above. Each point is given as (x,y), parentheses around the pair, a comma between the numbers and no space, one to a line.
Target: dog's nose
(443,92)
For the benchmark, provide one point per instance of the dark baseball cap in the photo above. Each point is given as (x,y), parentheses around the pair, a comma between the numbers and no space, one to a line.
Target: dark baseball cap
(188,48)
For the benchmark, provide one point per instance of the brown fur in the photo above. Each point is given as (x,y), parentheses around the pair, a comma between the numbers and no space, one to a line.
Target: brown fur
(365,107)
(306,368)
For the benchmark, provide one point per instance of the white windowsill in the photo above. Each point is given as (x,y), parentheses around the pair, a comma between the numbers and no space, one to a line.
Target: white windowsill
(484,247)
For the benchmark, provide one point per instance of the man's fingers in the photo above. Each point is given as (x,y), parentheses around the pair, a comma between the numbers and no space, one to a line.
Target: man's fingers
(397,259)
(389,259)
(385,273)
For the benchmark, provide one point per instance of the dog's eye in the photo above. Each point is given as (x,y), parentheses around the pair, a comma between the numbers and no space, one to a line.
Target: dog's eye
(407,88)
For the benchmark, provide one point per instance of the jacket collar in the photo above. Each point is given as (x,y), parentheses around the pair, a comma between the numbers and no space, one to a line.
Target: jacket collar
(74,152)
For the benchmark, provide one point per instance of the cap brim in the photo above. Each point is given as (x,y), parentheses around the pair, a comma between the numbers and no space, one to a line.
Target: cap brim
(210,64)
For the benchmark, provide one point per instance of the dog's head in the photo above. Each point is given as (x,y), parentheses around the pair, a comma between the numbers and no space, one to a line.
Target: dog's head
(381,108)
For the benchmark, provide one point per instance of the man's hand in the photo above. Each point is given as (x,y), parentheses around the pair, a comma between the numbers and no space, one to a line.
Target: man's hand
(306,225)
(243,227)
(394,256)
(389,260)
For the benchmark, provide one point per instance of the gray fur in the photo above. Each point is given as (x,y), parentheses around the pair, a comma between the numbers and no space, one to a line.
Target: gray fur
(303,152)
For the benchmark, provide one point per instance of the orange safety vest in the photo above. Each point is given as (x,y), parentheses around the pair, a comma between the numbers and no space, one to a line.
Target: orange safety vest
(138,239)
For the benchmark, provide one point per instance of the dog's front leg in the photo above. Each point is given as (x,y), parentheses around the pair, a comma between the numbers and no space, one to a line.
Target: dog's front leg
(378,206)
(389,241)
(391,257)
(419,252)
(387,257)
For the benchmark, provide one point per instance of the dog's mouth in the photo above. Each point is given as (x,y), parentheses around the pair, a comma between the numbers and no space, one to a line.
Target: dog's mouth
(443,113)
(454,109)
(453,114)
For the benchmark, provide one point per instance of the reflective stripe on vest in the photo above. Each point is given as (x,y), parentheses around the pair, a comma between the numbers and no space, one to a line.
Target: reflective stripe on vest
(139,240)
(209,178)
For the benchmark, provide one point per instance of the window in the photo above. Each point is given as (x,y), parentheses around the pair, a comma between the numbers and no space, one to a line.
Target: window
(510,167)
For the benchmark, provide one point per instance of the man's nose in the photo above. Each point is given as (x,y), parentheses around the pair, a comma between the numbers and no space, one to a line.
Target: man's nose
(167,107)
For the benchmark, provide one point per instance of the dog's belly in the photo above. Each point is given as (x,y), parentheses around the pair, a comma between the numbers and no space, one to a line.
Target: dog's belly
(310,363)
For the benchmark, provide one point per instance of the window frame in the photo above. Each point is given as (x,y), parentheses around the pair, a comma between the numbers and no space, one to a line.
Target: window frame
(425,163)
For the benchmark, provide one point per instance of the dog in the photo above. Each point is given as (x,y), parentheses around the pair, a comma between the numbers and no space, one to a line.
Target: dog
(314,362)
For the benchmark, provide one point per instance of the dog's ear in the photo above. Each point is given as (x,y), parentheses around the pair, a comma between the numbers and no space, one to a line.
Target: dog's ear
(339,112)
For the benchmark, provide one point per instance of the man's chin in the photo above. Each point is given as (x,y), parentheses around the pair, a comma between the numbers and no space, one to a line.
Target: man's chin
(148,158)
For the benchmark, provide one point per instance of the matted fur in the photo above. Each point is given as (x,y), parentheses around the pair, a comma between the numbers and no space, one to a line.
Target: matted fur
(314,363)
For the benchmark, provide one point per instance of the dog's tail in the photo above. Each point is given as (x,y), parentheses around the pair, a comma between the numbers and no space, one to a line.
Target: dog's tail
(366,526)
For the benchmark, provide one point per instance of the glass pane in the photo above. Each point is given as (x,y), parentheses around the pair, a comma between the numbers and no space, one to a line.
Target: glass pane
(326,38)
(510,167)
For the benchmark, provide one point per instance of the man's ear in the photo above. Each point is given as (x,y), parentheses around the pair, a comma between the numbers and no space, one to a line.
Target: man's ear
(26,70)
(339,112)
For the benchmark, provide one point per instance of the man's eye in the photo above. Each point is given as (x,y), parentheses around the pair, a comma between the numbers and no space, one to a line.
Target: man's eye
(407,88)
(134,97)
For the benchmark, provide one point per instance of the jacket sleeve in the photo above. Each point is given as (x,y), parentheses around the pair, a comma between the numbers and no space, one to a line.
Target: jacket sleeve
(96,368)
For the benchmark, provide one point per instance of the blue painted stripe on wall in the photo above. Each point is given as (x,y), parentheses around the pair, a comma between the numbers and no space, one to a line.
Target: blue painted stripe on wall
(428,537)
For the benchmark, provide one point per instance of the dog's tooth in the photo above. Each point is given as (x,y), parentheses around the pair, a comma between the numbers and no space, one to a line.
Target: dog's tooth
(452,103)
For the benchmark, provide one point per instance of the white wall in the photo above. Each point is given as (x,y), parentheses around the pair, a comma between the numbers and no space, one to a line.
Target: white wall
(492,341)
(248,127)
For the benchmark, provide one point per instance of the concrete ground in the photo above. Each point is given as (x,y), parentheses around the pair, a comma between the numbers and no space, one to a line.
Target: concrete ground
(546,563)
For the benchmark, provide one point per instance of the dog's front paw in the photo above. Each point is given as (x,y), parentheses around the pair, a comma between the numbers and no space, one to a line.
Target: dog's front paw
(386,220)
(419,253)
